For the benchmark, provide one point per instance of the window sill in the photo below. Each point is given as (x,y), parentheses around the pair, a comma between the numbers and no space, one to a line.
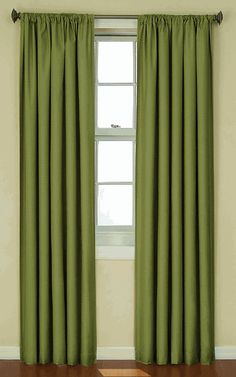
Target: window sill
(115,252)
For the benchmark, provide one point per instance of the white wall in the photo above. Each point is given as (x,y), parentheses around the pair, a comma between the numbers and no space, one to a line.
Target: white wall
(115,296)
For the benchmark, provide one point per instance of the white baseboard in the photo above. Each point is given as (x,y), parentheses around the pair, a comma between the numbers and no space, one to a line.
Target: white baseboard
(9,353)
(128,353)
(118,353)
(225,353)
(115,353)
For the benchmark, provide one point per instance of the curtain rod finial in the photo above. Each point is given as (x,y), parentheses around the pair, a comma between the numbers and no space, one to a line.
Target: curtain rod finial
(219,17)
(15,15)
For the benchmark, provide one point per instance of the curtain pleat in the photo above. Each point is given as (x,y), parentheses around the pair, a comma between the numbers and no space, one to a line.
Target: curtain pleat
(44,259)
(176,202)
(174,191)
(58,322)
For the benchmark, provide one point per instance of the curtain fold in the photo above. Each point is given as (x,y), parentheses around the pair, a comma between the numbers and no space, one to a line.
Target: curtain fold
(58,322)
(174,191)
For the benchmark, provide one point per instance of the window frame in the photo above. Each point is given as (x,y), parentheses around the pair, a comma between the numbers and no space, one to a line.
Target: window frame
(115,235)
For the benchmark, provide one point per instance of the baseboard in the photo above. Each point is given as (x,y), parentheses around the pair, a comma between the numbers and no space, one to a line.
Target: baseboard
(118,353)
(128,353)
(9,353)
(115,353)
(103,353)
(225,353)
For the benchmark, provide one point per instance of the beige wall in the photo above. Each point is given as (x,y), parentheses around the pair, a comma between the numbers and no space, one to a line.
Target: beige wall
(115,278)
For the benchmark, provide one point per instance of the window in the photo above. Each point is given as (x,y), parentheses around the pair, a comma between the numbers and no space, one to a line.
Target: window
(115,139)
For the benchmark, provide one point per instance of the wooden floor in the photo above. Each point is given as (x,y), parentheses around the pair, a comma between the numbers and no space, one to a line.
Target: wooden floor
(226,368)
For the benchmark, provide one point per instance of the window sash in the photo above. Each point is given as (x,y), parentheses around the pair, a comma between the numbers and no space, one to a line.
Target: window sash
(100,130)
(112,228)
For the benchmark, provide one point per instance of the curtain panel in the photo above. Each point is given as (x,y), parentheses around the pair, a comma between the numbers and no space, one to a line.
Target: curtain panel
(174,191)
(57,258)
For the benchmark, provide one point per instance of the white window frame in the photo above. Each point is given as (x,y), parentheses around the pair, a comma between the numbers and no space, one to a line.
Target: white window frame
(115,235)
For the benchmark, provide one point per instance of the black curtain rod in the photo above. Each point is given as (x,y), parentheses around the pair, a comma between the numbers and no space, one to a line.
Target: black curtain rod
(16,16)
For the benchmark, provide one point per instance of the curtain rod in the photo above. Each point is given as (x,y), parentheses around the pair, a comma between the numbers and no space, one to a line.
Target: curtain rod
(16,16)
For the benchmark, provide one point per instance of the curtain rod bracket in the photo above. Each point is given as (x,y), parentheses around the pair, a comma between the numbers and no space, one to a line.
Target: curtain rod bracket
(15,15)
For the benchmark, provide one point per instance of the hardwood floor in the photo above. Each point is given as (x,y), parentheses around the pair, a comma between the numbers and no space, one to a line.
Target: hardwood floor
(224,368)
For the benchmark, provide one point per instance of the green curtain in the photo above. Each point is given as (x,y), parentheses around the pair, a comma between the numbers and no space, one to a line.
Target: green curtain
(57,255)
(174,191)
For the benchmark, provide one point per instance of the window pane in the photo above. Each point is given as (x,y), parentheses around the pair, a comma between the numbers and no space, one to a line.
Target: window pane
(115,62)
(115,204)
(115,106)
(115,161)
